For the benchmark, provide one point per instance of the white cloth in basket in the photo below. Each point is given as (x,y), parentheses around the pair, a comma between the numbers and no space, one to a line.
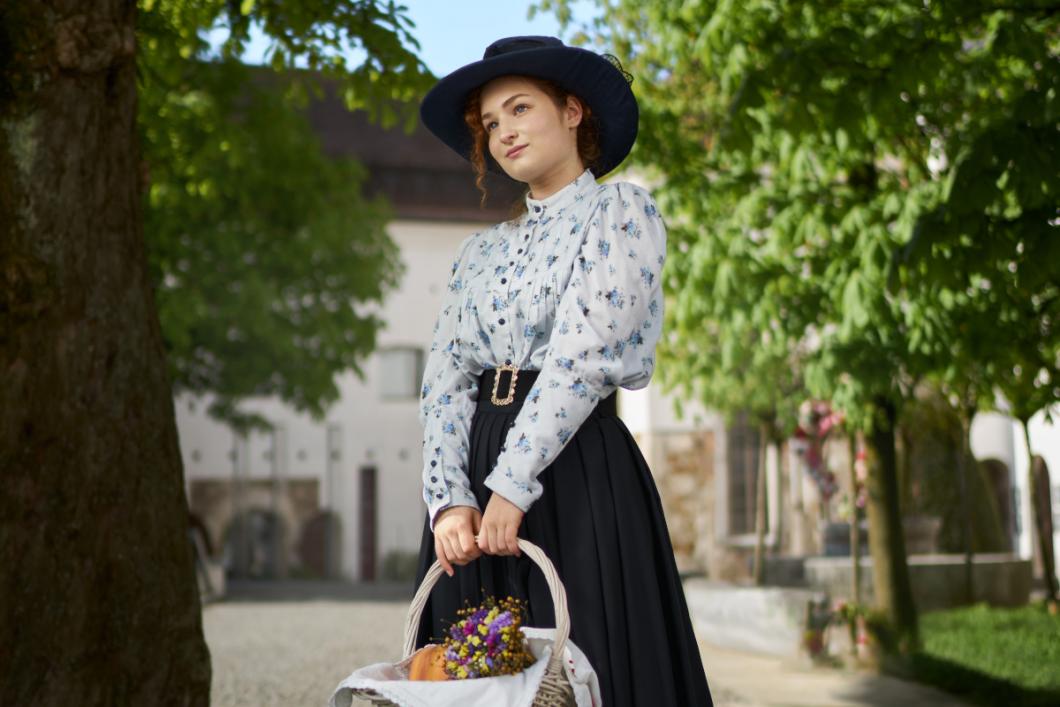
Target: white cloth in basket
(507,690)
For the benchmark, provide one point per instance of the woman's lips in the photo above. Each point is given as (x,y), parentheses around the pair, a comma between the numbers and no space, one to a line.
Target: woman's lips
(515,151)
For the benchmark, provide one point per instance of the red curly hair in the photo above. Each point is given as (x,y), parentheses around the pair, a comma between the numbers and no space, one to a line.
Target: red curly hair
(588,137)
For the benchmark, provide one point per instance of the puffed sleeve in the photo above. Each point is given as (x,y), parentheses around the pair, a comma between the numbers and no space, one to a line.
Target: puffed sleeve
(608,321)
(447,402)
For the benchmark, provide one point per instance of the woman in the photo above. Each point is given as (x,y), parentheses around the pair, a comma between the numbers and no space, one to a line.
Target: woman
(545,317)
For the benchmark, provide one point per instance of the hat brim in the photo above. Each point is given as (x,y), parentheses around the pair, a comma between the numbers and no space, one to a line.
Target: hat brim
(586,74)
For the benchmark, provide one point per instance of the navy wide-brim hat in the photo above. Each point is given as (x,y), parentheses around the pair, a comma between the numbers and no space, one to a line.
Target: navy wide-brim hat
(603,85)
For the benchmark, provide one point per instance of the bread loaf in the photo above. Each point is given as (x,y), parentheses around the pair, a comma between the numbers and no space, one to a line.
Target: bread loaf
(428,663)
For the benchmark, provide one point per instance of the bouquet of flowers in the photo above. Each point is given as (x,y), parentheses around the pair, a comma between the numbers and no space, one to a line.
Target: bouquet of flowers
(488,641)
(512,663)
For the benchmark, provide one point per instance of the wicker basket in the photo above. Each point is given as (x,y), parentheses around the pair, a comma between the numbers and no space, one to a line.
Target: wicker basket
(555,690)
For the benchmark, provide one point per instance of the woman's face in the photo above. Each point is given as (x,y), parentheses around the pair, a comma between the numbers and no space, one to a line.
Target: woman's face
(531,137)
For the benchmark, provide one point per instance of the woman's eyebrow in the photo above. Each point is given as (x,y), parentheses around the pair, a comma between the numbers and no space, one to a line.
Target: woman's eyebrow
(487,114)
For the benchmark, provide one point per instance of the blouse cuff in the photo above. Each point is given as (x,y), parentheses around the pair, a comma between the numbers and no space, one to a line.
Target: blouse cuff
(522,495)
(458,496)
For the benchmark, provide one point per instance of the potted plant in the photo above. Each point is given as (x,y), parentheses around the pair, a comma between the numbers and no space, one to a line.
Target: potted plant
(848,632)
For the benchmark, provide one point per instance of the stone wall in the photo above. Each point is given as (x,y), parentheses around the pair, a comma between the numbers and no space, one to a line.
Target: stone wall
(683,466)
(292,504)
(1000,579)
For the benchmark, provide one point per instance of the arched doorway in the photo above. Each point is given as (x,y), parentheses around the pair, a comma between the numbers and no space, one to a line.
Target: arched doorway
(253,543)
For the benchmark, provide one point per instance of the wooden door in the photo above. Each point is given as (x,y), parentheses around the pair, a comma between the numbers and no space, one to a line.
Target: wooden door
(368,523)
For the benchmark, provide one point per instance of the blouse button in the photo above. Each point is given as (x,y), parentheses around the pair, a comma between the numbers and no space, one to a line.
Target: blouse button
(519,251)
(504,280)
(501,320)
(508,361)
(537,208)
(512,262)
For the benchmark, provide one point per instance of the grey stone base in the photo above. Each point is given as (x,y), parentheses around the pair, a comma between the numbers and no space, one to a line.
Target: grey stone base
(937,580)
(761,619)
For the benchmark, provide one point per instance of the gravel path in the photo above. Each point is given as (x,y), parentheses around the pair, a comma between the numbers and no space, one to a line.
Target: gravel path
(289,644)
(291,647)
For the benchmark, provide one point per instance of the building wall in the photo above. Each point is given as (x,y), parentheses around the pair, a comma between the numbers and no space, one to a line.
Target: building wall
(361,428)
(997,436)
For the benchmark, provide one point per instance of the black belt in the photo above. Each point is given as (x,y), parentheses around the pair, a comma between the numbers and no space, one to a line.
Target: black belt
(497,393)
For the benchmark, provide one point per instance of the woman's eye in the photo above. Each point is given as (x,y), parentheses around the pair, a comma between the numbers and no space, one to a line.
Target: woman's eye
(490,125)
(521,105)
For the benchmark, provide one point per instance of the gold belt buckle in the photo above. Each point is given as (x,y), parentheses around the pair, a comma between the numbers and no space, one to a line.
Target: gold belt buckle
(511,385)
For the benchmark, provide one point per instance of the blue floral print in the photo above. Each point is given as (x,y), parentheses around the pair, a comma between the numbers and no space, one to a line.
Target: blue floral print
(572,289)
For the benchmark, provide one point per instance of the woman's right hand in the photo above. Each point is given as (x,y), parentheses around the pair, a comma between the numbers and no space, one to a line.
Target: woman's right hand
(454,536)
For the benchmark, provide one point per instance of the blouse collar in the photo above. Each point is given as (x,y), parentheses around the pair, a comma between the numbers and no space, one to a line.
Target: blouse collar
(574,191)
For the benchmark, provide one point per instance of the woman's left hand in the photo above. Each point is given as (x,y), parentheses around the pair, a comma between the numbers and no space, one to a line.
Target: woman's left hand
(498,532)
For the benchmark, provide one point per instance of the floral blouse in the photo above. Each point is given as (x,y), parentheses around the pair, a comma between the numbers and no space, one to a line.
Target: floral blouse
(572,289)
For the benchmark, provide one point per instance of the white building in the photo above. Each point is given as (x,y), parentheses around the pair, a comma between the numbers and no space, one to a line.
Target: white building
(338,497)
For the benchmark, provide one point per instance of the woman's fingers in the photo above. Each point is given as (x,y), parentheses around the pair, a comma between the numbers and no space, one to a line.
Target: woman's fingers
(453,550)
(495,546)
(454,537)
(511,539)
(502,540)
(467,544)
(439,551)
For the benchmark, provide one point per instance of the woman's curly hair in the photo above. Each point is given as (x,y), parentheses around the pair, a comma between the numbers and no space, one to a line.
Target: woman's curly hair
(588,134)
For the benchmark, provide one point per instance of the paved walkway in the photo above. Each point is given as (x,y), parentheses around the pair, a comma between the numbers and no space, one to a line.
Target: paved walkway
(289,644)
(756,680)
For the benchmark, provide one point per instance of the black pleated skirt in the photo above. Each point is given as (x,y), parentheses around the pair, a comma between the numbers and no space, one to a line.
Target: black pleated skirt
(600,520)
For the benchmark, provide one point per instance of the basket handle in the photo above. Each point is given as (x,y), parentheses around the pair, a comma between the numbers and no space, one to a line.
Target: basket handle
(555,586)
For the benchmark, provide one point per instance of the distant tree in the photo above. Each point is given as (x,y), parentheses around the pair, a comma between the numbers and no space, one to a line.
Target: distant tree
(98,600)
(265,255)
(818,142)
(729,358)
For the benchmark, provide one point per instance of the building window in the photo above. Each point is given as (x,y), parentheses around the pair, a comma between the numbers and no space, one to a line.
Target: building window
(400,372)
(742,453)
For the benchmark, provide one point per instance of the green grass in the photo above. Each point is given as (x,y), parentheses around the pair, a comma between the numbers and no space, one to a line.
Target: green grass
(992,655)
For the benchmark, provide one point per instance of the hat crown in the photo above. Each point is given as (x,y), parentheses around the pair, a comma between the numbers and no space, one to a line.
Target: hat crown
(507,45)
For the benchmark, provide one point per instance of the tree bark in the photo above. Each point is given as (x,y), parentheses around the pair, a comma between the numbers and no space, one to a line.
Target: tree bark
(890,573)
(1040,528)
(855,526)
(966,507)
(760,507)
(98,589)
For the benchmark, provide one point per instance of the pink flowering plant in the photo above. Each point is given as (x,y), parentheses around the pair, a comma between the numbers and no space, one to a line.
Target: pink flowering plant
(488,641)
(816,420)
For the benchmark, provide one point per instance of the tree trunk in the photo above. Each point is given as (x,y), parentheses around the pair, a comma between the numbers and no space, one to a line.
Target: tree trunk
(890,573)
(1041,527)
(855,527)
(98,589)
(760,507)
(966,507)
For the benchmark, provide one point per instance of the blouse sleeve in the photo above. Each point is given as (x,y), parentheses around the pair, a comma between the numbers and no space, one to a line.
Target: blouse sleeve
(608,321)
(447,401)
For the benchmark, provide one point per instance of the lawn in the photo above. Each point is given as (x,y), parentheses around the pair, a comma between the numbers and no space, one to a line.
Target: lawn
(991,655)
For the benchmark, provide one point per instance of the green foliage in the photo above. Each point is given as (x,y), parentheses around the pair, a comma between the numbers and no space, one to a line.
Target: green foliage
(267,259)
(992,655)
(869,187)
